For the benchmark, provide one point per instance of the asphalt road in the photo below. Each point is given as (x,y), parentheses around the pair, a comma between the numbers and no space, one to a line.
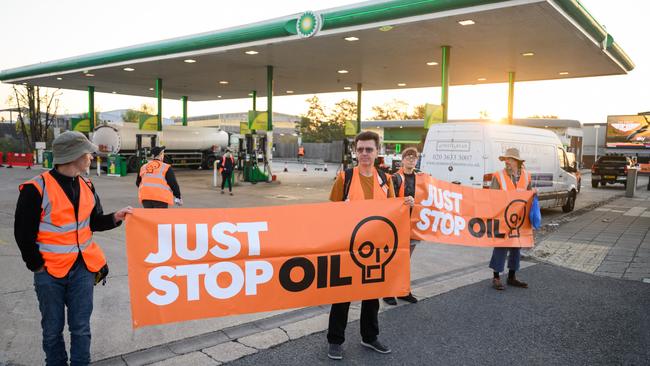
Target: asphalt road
(565,318)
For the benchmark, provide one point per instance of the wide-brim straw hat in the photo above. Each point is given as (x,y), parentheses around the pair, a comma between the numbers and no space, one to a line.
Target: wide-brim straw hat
(512,153)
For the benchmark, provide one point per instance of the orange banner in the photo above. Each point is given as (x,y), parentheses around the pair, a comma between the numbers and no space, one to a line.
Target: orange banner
(198,263)
(453,214)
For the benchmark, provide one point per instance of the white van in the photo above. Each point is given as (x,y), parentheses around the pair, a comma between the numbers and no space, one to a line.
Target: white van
(468,153)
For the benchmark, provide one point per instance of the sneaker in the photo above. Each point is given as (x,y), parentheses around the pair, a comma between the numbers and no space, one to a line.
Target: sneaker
(222,192)
(231,193)
(496,283)
(335,352)
(409,298)
(516,283)
(376,346)
(390,300)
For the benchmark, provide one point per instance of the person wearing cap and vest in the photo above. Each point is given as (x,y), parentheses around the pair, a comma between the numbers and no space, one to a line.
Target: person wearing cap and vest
(363,182)
(301,153)
(56,215)
(226,167)
(157,186)
(512,177)
(404,184)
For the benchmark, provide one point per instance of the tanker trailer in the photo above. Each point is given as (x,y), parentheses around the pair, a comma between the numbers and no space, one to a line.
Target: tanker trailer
(185,145)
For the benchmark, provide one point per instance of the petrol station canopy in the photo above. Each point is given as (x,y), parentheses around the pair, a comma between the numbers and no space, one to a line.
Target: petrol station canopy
(394,44)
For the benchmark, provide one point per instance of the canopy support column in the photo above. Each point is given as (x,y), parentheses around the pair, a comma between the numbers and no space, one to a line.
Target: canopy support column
(359,89)
(159,93)
(511,95)
(91,107)
(184,100)
(254,95)
(269,97)
(444,81)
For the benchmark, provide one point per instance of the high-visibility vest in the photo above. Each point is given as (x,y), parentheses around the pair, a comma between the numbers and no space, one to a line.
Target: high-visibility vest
(61,235)
(379,191)
(301,151)
(153,185)
(400,173)
(506,183)
(223,162)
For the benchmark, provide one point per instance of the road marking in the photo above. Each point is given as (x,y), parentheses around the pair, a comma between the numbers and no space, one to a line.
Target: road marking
(634,211)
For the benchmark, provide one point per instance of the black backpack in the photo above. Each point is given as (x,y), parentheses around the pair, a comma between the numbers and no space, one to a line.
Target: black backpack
(348,180)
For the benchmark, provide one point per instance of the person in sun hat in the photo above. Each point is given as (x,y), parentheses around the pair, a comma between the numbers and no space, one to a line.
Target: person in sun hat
(513,177)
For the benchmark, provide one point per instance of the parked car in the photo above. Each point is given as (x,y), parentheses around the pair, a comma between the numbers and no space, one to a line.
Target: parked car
(610,169)
(571,158)
(468,153)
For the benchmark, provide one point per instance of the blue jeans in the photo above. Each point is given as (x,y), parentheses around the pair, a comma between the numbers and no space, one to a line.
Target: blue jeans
(74,291)
(498,260)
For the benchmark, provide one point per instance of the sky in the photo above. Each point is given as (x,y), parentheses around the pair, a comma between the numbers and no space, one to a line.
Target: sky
(66,28)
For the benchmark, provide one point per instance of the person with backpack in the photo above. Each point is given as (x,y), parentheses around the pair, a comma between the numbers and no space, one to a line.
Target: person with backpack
(362,182)
(404,185)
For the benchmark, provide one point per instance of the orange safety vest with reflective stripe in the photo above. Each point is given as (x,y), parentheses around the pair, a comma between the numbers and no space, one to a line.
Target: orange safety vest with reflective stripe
(301,151)
(400,172)
(506,183)
(379,192)
(61,235)
(223,162)
(153,185)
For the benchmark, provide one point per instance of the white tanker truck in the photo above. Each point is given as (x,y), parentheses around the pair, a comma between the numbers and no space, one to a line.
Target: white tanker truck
(187,146)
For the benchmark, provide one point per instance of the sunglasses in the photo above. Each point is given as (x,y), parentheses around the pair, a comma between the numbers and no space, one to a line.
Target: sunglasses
(368,150)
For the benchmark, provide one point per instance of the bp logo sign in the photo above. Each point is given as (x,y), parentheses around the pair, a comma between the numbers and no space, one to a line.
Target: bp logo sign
(309,23)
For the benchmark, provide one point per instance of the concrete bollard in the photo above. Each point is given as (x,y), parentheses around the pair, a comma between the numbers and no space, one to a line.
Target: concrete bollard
(630,186)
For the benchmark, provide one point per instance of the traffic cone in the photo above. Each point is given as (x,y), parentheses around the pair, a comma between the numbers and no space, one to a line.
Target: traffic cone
(325,169)
(285,167)
(304,167)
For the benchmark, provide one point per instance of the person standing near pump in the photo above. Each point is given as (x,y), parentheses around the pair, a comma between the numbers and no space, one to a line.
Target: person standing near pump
(56,215)
(404,185)
(363,182)
(157,186)
(226,167)
(512,177)
(301,153)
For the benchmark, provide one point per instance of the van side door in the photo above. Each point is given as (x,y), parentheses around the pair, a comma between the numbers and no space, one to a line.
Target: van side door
(562,183)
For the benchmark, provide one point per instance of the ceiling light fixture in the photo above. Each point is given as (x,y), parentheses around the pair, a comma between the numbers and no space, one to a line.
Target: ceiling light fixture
(59,78)
(343,71)
(251,52)
(189,61)
(401,84)
(219,96)
(289,91)
(90,75)
(564,73)
(466,22)
(432,63)
(223,82)
(128,69)
(481,79)
(351,39)
(151,89)
(528,54)
(113,92)
(347,88)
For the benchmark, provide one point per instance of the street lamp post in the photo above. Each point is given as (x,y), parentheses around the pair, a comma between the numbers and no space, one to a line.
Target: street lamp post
(596,127)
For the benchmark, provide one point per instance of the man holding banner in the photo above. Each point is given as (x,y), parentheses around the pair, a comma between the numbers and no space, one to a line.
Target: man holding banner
(512,178)
(363,182)
(404,184)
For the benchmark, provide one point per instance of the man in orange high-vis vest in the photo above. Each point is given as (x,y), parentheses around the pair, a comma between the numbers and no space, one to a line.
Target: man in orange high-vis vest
(404,182)
(56,215)
(513,177)
(359,183)
(157,186)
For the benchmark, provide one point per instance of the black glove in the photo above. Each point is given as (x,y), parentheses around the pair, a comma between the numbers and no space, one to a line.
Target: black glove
(100,276)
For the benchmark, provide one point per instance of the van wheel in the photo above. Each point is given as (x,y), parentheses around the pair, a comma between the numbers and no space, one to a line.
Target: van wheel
(570,202)
(594,184)
(603,183)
